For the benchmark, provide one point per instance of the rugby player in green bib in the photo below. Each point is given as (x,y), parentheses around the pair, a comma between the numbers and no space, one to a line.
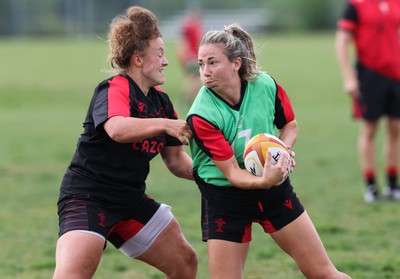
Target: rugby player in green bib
(236,102)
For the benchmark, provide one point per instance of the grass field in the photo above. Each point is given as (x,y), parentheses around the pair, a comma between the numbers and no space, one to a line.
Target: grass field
(45,89)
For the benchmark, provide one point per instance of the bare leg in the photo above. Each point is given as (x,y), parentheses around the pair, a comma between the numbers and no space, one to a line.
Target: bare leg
(226,259)
(366,145)
(392,142)
(300,240)
(172,254)
(78,255)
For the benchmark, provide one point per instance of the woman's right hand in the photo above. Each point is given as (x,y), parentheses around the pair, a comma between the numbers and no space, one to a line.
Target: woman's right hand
(351,86)
(178,128)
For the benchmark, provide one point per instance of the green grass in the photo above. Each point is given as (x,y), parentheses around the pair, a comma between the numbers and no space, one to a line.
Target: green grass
(45,89)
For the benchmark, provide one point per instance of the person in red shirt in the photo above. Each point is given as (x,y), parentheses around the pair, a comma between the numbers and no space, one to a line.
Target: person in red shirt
(130,120)
(187,47)
(372,27)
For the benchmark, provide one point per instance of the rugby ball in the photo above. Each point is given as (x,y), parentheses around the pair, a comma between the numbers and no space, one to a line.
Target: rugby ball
(255,152)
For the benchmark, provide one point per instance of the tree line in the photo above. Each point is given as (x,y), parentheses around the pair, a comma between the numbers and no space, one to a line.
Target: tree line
(80,17)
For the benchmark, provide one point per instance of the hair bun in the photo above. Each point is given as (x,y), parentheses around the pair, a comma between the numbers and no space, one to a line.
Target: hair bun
(145,20)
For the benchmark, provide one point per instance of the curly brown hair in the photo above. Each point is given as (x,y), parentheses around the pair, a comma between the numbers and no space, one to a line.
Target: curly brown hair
(130,33)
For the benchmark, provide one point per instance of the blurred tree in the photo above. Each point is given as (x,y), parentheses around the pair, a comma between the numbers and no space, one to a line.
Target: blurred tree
(318,14)
(76,17)
(304,14)
(314,13)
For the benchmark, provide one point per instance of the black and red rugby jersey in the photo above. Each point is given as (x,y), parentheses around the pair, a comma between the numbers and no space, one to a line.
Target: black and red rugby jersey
(111,171)
(375,26)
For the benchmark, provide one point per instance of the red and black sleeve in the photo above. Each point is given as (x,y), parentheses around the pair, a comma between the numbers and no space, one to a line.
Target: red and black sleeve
(283,108)
(111,98)
(209,138)
(349,18)
(118,97)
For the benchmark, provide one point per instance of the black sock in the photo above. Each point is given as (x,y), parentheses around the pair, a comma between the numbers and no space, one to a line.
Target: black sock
(370,181)
(392,181)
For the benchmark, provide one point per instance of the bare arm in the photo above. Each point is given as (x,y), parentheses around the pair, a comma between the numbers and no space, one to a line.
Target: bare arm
(178,161)
(131,129)
(344,40)
(241,178)
(288,133)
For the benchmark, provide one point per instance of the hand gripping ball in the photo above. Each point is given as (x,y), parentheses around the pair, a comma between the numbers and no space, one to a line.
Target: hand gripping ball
(255,153)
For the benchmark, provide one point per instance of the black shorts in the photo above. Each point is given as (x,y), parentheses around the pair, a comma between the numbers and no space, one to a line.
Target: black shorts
(115,224)
(379,96)
(228,212)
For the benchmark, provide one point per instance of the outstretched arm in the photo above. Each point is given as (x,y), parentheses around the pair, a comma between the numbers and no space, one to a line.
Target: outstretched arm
(178,161)
(130,129)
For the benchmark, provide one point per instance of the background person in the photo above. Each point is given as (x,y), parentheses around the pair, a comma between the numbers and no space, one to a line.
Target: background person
(237,102)
(187,48)
(372,28)
(102,196)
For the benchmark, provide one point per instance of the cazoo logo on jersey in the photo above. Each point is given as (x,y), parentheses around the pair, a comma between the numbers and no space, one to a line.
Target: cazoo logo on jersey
(149,146)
